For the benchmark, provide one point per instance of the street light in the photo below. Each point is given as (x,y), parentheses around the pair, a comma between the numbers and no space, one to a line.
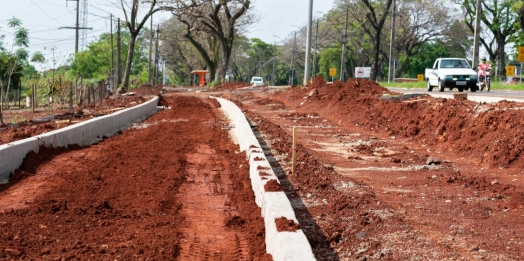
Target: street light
(316,50)
(307,63)
(274,59)
(344,42)
(391,76)
(291,72)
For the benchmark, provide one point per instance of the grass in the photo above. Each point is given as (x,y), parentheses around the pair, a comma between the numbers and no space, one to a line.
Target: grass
(17,119)
(422,85)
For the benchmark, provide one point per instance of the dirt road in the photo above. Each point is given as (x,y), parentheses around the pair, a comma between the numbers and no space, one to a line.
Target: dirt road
(379,177)
(174,187)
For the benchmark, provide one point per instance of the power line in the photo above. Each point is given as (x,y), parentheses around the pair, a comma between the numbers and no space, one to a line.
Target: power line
(45,12)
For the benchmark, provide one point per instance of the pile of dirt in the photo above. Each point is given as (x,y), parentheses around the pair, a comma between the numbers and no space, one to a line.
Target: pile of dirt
(367,185)
(490,133)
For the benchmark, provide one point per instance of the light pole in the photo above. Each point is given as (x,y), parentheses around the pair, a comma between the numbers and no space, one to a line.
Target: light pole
(316,50)
(476,37)
(307,62)
(344,42)
(391,76)
(291,73)
(274,62)
(275,57)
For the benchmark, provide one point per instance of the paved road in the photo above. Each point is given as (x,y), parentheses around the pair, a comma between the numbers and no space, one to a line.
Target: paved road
(491,96)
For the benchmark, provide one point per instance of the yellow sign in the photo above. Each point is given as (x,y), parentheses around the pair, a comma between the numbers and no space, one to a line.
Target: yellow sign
(420,77)
(510,70)
(520,56)
(332,71)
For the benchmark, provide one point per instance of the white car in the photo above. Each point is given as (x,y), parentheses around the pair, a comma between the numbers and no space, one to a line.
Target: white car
(451,73)
(257,81)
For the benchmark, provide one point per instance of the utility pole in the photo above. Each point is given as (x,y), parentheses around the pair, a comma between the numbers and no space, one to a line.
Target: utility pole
(118,55)
(164,72)
(391,76)
(476,37)
(274,61)
(291,74)
(156,56)
(344,42)
(307,65)
(77,27)
(112,77)
(315,54)
(150,51)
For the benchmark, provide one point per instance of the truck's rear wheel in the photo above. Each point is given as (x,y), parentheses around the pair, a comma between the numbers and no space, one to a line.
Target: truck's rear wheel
(440,85)
(429,87)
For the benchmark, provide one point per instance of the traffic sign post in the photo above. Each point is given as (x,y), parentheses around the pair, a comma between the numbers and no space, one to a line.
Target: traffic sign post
(520,56)
(420,77)
(332,72)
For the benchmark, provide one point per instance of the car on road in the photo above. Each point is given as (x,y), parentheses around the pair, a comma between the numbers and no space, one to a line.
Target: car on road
(257,81)
(451,73)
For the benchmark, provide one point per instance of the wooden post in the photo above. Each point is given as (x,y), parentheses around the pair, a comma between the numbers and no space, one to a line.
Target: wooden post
(33,100)
(100,87)
(294,156)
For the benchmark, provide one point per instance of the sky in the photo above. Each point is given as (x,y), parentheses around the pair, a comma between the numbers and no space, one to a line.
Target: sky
(43,19)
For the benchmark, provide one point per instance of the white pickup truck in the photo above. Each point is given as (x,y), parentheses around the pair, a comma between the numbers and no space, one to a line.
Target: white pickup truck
(451,73)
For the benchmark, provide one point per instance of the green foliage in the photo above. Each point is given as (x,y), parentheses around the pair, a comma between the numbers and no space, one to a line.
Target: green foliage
(95,61)
(330,58)
(429,52)
(214,83)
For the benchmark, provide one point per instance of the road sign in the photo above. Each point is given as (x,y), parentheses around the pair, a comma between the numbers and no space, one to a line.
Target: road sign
(292,73)
(510,70)
(332,71)
(420,77)
(362,72)
(520,56)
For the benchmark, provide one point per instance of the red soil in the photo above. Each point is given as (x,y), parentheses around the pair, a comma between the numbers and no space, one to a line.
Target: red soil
(176,189)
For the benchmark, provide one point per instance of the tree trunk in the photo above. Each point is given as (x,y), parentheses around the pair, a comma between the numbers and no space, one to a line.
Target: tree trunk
(376,53)
(9,83)
(224,61)
(129,61)
(501,70)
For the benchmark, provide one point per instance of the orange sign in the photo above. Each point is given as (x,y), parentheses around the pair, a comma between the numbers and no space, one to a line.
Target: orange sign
(520,56)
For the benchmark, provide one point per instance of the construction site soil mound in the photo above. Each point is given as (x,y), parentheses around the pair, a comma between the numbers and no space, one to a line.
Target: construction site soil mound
(172,188)
(23,123)
(385,176)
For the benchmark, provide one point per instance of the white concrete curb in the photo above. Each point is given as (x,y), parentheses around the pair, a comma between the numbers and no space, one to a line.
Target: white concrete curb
(281,245)
(83,133)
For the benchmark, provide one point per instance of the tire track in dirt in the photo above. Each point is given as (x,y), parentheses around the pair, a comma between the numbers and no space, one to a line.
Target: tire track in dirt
(207,209)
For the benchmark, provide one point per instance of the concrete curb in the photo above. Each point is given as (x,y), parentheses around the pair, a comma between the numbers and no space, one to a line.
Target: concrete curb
(281,245)
(84,133)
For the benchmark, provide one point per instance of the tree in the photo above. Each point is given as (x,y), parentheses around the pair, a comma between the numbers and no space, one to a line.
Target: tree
(180,55)
(220,19)
(417,23)
(371,15)
(21,39)
(134,26)
(501,20)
